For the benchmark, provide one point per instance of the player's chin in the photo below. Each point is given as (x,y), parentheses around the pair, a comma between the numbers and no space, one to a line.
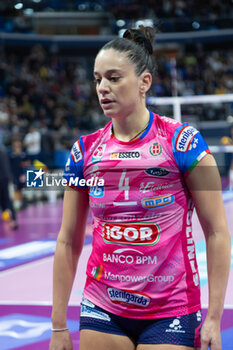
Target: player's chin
(110,113)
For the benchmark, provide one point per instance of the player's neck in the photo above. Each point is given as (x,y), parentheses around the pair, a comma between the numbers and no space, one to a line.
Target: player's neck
(130,127)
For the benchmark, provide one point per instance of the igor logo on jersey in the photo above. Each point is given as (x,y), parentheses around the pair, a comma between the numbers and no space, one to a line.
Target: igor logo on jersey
(98,153)
(184,138)
(76,152)
(133,233)
(156,202)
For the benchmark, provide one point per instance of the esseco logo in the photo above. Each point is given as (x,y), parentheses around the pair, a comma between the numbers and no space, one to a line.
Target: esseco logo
(133,233)
(125,155)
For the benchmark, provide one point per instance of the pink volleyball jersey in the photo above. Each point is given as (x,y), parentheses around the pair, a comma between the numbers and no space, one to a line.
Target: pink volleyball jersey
(143,262)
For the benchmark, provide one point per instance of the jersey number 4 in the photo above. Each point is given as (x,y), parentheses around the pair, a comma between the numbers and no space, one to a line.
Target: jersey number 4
(124,184)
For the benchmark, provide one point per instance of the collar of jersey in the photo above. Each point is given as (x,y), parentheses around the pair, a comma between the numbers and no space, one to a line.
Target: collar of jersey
(138,138)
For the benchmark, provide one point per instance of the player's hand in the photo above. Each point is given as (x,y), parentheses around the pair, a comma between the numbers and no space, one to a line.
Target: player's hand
(211,335)
(61,341)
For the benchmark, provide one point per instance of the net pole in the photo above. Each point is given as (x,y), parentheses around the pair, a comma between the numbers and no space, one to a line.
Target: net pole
(177,109)
(173,72)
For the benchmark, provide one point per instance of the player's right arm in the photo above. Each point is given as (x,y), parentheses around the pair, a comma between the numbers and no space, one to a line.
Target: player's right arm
(69,246)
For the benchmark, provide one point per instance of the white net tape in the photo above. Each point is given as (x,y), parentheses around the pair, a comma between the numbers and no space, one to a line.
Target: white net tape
(221,149)
(176,102)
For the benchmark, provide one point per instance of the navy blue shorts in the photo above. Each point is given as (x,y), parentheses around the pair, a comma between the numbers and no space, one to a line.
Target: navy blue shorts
(180,330)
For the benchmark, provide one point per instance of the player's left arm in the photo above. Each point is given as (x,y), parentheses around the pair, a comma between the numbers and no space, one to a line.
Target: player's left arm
(204,184)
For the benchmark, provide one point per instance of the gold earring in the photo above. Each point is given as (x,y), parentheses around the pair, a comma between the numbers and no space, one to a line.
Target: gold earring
(143,95)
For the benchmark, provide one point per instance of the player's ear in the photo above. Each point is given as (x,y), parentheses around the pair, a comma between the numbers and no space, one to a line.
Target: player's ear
(145,81)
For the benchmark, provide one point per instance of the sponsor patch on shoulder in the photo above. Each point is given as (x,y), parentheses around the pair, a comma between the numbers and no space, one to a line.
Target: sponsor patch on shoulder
(76,152)
(184,138)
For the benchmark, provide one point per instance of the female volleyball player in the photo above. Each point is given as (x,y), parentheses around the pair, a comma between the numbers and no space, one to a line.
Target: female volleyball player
(142,289)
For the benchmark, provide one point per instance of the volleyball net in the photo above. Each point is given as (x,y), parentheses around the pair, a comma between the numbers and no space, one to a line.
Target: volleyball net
(215,100)
(211,114)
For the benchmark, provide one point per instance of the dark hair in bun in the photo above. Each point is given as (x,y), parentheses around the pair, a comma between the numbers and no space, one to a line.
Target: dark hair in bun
(144,36)
(138,46)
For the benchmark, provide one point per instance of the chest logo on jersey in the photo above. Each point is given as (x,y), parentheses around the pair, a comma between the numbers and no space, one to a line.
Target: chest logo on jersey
(184,138)
(155,149)
(125,155)
(157,171)
(96,191)
(76,152)
(133,233)
(98,153)
(156,202)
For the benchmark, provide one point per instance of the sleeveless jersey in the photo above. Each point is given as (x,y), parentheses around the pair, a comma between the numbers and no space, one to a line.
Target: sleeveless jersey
(143,262)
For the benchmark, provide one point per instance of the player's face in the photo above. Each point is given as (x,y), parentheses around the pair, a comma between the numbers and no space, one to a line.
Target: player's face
(117,85)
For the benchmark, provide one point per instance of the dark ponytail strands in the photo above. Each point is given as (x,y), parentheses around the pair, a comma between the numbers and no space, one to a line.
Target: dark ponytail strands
(137,44)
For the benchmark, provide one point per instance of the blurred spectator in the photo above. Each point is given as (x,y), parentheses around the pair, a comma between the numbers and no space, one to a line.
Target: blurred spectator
(47,146)
(176,15)
(8,212)
(19,162)
(57,96)
(32,143)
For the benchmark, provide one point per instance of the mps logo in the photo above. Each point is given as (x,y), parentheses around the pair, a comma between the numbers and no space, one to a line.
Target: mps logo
(184,138)
(98,153)
(76,152)
(134,233)
(155,202)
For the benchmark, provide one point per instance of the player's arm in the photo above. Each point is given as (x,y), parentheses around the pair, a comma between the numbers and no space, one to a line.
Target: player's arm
(205,187)
(69,246)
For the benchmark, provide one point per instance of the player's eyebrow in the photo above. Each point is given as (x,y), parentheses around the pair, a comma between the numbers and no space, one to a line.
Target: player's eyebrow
(110,71)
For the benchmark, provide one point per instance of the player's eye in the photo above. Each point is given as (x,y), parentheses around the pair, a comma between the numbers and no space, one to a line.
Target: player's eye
(97,81)
(114,79)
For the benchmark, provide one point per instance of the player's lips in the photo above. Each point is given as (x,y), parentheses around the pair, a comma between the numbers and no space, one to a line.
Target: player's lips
(105,102)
